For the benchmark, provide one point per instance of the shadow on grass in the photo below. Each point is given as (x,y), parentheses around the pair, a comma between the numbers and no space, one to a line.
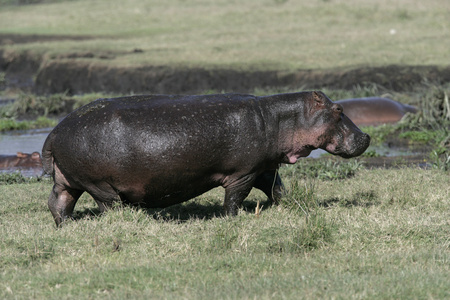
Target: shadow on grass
(87,213)
(194,210)
(178,213)
(361,199)
(186,211)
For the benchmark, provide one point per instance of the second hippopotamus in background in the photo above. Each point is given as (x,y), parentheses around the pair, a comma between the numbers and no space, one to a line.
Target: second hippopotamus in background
(159,150)
(375,110)
(21,160)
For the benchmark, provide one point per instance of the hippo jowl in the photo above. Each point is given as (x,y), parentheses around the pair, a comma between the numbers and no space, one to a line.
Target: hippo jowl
(159,150)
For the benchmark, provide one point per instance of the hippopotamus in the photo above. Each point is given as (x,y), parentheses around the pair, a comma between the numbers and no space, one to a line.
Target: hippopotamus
(21,161)
(159,150)
(375,110)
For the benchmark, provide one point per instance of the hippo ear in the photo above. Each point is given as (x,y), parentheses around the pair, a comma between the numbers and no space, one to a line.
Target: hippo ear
(21,155)
(318,99)
(35,156)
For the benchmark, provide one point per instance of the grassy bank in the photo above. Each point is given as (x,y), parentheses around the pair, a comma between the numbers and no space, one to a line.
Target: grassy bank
(379,234)
(270,34)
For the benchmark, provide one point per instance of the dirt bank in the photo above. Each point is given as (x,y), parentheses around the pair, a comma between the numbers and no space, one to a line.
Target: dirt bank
(75,77)
(69,73)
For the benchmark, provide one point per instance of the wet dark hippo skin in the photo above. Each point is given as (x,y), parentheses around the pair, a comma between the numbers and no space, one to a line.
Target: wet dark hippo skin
(159,150)
(375,110)
(21,160)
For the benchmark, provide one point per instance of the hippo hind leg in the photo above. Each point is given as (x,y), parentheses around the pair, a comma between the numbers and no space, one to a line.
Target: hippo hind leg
(270,183)
(62,201)
(105,195)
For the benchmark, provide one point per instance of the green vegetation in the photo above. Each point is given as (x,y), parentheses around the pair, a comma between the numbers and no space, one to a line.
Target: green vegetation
(379,234)
(32,105)
(269,34)
(424,136)
(17,177)
(43,109)
(7,124)
(323,169)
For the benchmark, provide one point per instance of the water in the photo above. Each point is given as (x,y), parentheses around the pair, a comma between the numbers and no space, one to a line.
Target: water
(317,153)
(26,141)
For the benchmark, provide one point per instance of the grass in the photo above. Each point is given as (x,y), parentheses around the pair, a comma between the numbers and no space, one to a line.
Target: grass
(367,237)
(44,110)
(31,105)
(8,124)
(17,177)
(323,169)
(278,35)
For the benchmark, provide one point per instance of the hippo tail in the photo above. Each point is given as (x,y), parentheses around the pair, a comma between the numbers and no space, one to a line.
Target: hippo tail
(47,155)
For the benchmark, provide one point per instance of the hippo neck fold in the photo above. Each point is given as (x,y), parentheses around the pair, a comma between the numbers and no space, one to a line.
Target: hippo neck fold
(287,118)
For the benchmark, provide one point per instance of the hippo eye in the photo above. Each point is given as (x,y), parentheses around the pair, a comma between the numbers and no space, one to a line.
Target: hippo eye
(339,109)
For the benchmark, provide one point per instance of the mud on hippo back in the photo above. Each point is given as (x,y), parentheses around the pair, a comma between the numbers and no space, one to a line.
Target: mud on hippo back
(160,150)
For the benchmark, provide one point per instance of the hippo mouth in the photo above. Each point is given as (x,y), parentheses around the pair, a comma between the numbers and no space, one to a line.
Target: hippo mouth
(291,158)
(342,152)
(306,150)
(356,148)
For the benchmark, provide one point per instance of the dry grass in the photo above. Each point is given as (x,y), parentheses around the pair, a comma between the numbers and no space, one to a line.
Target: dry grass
(380,234)
(252,34)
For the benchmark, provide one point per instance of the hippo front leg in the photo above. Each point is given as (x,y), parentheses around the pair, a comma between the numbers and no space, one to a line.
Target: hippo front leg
(235,195)
(270,183)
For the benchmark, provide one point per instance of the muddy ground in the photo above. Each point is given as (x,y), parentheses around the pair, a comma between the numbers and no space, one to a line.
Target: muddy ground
(68,74)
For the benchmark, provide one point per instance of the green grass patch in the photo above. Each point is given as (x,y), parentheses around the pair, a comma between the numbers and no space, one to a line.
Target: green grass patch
(325,169)
(32,105)
(440,160)
(424,136)
(362,237)
(40,109)
(7,124)
(17,177)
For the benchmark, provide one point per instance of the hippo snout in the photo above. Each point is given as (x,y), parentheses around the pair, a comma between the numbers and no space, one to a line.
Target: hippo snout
(357,145)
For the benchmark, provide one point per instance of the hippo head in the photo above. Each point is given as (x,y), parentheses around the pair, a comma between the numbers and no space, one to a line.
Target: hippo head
(28,160)
(332,130)
(324,125)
